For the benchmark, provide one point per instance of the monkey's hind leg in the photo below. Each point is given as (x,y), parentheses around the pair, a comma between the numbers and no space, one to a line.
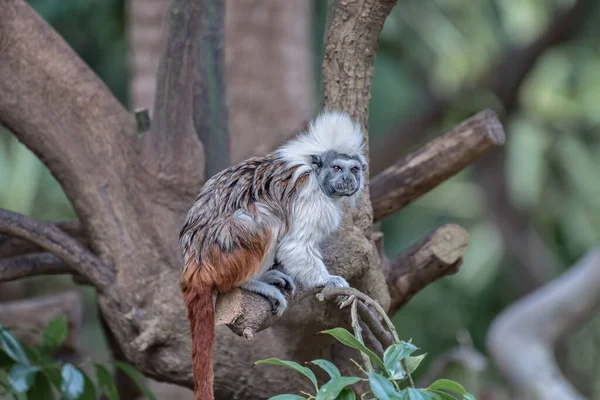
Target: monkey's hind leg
(271,292)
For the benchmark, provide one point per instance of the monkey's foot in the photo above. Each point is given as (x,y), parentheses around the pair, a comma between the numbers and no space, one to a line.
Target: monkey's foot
(271,292)
(279,279)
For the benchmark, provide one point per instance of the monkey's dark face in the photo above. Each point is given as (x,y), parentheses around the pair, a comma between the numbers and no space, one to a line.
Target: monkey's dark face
(338,174)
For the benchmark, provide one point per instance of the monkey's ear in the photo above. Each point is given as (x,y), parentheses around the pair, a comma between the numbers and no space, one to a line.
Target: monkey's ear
(316,161)
(364,167)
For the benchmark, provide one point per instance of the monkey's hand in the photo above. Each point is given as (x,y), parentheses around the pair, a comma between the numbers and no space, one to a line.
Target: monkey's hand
(279,279)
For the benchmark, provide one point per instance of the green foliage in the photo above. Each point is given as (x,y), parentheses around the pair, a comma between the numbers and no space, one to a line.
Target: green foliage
(390,379)
(31,371)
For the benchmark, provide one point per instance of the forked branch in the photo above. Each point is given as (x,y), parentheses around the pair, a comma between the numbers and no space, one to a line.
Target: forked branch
(57,242)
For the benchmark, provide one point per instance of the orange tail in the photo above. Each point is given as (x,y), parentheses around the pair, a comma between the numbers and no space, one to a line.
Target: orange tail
(201,314)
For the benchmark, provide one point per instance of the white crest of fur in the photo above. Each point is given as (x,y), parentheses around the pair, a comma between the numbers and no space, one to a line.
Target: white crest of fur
(331,130)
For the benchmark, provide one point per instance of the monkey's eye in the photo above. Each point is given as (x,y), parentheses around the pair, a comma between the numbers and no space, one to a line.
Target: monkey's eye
(354,170)
(336,168)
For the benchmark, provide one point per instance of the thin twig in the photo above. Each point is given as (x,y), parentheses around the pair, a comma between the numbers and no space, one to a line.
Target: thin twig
(411,383)
(370,339)
(330,292)
(371,320)
(358,335)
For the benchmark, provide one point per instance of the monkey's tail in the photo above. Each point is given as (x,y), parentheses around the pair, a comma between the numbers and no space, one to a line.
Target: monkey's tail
(198,299)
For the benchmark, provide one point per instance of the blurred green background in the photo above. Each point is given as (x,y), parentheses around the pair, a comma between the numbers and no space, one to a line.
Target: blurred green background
(429,49)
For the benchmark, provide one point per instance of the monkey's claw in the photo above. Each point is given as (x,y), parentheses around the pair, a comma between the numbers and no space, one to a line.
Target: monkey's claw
(277,307)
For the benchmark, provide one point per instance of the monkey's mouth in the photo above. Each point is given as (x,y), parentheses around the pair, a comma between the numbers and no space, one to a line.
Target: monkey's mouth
(345,190)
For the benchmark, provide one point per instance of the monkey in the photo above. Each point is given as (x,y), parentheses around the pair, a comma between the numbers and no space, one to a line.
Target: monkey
(277,208)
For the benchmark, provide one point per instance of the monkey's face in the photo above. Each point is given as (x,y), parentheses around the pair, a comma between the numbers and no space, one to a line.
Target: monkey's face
(338,174)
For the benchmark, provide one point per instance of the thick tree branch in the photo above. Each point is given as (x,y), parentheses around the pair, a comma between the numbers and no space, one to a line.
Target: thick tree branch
(33,264)
(522,338)
(56,105)
(210,113)
(27,318)
(424,169)
(437,255)
(11,246)
(52,239)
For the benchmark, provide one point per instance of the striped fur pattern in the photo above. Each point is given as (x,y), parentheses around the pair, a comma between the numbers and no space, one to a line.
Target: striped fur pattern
(277,207)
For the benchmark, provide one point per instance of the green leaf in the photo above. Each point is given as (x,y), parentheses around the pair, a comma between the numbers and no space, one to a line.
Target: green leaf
(468,396)
(41,389)
(382,388)
(328,367)
(349,340)
(419,394)
(413,362)
(331,389)
(5,361)
(72,385)
(53,374)
(106,382)
(287,397)
(346,394)
(293,365)
(137,377)
(55,334)
(396,352)
(21,377)
(12,347)
(448,385)
(443,395)
(35,356)
(89,390)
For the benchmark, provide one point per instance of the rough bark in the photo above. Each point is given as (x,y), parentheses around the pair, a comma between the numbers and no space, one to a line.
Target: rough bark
(521,340)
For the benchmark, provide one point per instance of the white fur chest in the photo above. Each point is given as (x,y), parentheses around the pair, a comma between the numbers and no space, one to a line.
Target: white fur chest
(315,216)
